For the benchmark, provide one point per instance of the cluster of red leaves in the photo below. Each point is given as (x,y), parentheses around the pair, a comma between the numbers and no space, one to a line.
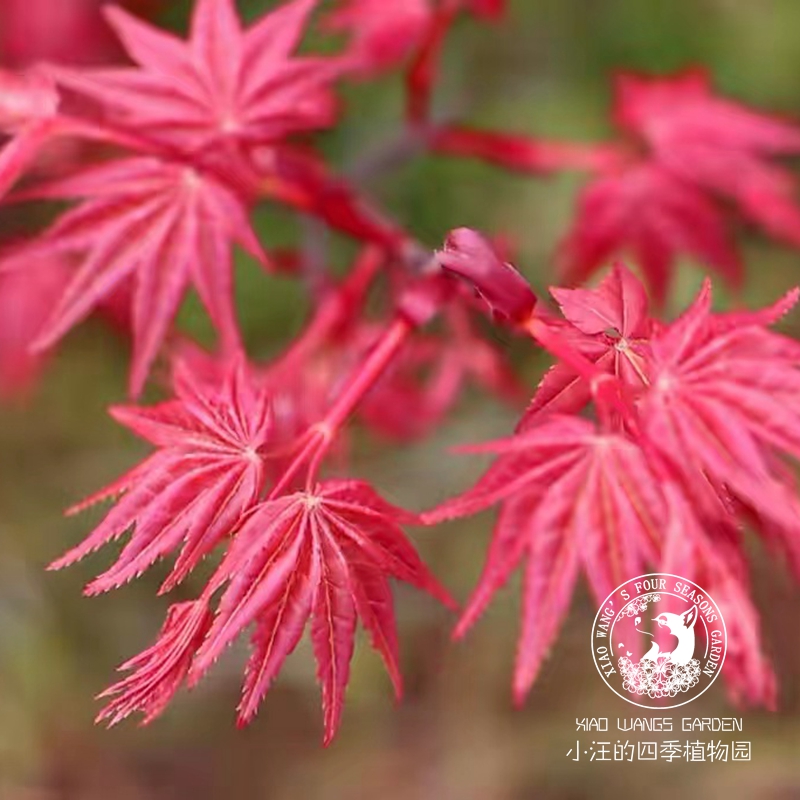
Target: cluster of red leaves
(211,123)
(662,191)
(234,429)
(324,552)
(713,427)
(167,220)
(31,284)
(694,424)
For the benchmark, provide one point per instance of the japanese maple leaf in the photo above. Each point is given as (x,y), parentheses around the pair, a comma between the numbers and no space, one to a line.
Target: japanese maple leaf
(719,144)
(223,84)
(721,410)
(611,326)
(160,670)
(712,392)
(301,392)
(325,555)
(29,288)
(572,497)
(645,211)
(165,226)
(206,473)
(714,427)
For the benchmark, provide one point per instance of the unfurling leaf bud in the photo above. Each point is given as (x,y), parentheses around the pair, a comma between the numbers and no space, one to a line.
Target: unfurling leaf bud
(470,256)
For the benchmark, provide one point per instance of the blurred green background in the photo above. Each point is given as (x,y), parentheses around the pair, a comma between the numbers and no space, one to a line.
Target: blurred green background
(546,70)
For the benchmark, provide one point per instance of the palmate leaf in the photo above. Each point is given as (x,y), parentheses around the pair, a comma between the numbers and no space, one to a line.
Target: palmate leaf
(645,212)
(715,398)
(609,325)
(680,109)
(715,143)
(696,148)
(159,671)
(164,226)
(722,406)
(572,497)
(224,84)
(326,555)
(192,492)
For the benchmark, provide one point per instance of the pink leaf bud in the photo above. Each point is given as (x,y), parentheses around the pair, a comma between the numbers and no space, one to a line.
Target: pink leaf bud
(470,256)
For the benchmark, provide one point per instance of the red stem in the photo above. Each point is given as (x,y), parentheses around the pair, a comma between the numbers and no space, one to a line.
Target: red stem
(322,435)
(520,153)
(333,311)
(387,348)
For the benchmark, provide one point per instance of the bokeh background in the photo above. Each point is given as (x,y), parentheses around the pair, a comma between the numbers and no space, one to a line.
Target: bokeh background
(546,70)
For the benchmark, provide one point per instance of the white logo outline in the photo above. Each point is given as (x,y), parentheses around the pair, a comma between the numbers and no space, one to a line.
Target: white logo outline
(683,641)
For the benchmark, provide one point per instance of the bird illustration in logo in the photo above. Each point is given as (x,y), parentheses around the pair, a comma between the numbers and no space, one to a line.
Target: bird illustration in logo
(681,626)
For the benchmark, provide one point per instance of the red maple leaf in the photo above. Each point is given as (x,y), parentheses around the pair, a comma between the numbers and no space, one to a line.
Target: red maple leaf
(575,497)
(719,409)
(610,326)
(718,144)
(224,84)
(657,198)
(165,225)
(713,393)
(160,670)
(714,426)
(207,472)
(645,211)
(324,555)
